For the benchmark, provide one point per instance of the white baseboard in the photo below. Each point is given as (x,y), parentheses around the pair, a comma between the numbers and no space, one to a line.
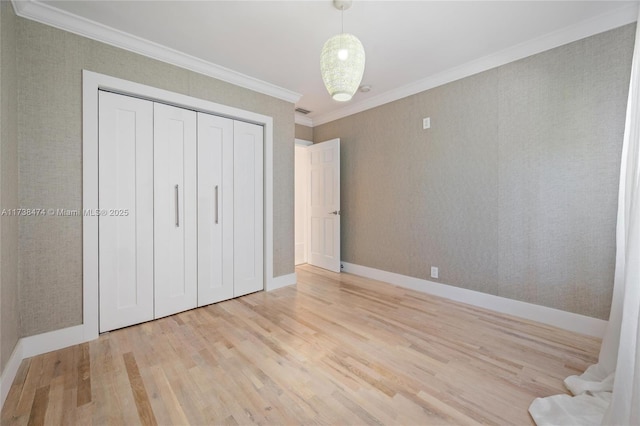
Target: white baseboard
(281,281)
(555,317)
(10,371)
(54,340)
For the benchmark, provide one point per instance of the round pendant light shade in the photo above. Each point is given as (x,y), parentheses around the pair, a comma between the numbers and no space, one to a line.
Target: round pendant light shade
(342,66)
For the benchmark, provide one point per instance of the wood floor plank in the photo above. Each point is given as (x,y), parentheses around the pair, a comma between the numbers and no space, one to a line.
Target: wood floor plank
(54,412)
(39,406)
(334,349)
(28,389)
(84,375)
(176,414)
(143,405)
(13,397)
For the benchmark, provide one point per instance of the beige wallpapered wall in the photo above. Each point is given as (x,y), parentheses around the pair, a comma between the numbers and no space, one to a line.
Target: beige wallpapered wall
(513,190)
(50,63)
(9,315)
(304,132)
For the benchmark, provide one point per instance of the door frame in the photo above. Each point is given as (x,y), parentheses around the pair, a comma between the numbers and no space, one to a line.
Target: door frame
(300,143)
(91,83)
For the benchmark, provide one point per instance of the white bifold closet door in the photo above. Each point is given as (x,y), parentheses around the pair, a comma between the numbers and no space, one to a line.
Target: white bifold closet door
(215,209)
(192,186)
(230,212)
(248,258)
(125,178)
(175,215)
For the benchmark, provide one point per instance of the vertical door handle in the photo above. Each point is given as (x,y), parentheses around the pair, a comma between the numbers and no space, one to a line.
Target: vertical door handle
(217,205)
(177,207)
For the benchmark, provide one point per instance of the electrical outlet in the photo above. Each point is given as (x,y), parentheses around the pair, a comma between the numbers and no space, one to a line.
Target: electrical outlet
(341,266)
(426,123)
(434,272)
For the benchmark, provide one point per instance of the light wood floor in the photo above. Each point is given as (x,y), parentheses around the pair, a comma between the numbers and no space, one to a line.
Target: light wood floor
(335,349)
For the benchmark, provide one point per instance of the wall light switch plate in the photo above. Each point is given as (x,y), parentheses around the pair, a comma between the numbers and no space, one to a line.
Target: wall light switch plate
(434,272)
(426,123)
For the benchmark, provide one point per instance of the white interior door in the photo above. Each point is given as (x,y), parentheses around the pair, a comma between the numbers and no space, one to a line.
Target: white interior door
(215,209)
(247,208)
(125,192)
(300,201)
(175,226)
(324,205)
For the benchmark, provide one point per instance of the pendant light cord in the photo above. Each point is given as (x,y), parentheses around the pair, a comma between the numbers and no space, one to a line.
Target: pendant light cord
(342,24)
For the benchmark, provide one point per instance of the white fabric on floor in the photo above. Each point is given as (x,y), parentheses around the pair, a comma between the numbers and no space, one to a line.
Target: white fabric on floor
(579,410)
(609,392)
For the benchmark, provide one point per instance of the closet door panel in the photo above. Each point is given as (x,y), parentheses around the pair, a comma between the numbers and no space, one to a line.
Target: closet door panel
(247,208)
(126,194)
(215,209)
(175,213)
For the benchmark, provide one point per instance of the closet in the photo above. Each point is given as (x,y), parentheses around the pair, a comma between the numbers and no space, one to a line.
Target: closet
(180,195)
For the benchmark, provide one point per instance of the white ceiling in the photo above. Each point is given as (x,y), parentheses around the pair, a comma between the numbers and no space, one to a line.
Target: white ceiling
(408,44)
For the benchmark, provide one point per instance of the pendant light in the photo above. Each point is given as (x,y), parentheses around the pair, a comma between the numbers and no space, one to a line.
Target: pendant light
(342,61)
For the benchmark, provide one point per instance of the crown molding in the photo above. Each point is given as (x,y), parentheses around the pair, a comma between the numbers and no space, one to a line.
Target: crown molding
(608,21)
(48,15)
(303,120)
(43,13)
